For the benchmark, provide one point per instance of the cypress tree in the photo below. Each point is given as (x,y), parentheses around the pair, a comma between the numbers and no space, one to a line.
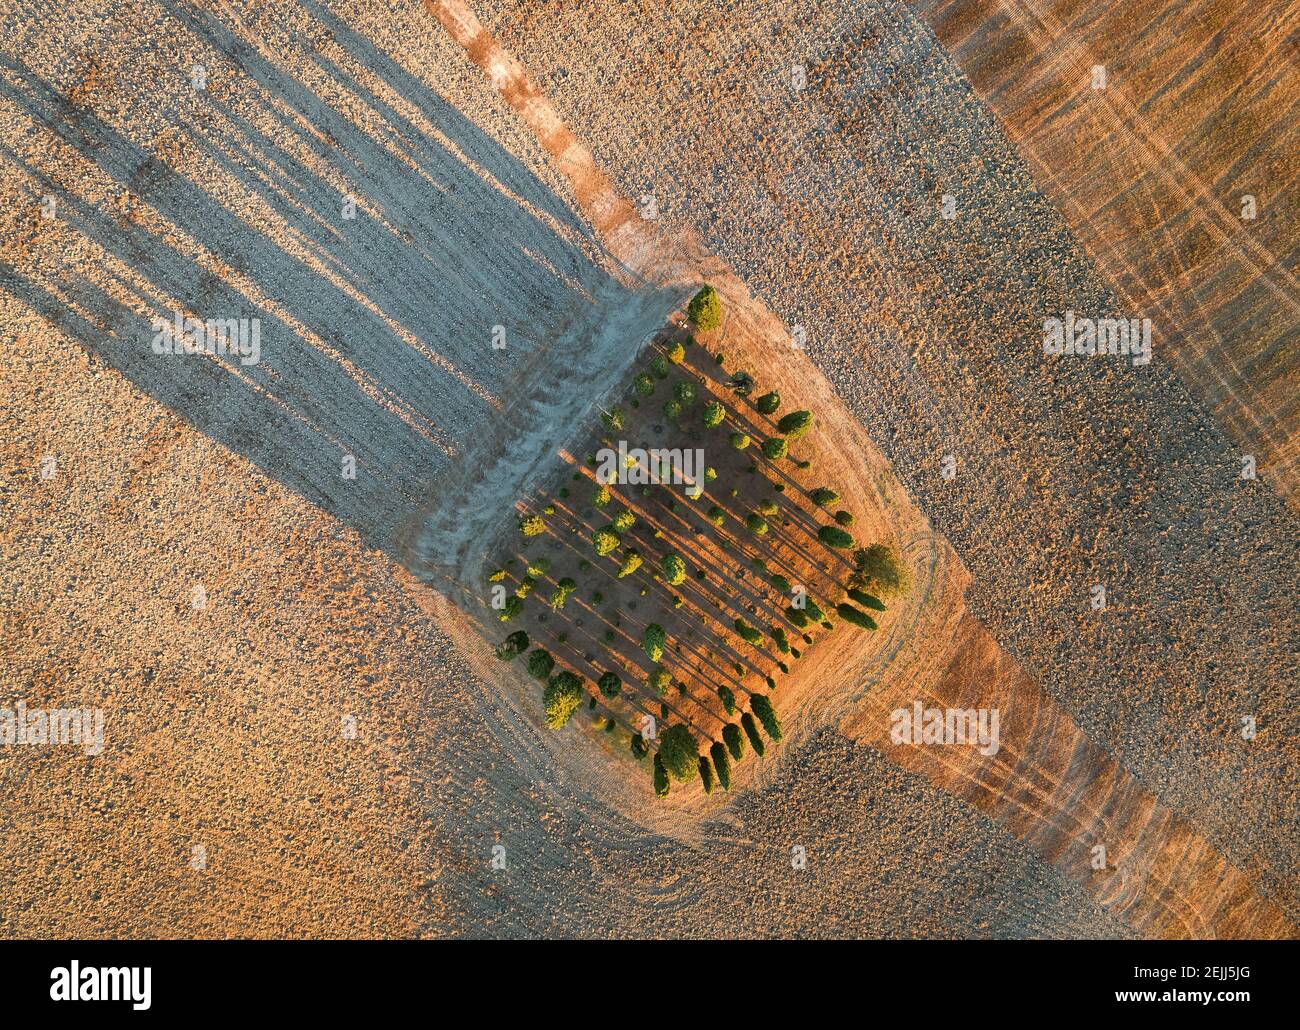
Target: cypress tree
(858,618)
(751,731)
(735,742)
(610,685)
(721,764)
(706,774)
(795,424)
(866,600)
(660,777)
(761,706)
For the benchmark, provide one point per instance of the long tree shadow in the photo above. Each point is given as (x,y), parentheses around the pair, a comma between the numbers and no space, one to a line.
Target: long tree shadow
(376,364)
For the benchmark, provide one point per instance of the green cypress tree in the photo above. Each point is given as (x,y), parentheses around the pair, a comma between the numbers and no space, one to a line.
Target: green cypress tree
(833,536)
(661,777)
(751,731)
(680,752)
(761,706)
(721,764)
(866,600)
(795,424)
(706,774)
(858,618)
(561,698)
(610,685)
(768,403)
(705,309)
(734,741)
(653,641)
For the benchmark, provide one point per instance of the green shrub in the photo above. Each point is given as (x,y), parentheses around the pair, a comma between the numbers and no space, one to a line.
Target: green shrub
(795,424)
(653,641)
(659,680)
(714,413)
(613,418)
(605,540)
(775,448)
(610,685)
(859,618)
(879,568)
(705,309)
(833,536)
(866,600)
(728,699)
(686,392)
(769,402)
(680,752)
(600,497)
(675,353)
(742,384)
(762,707)
(782,641)
(812,609)
(659,366)
(748,632)
(637,746)
(734,741)
(756,524)
(561,698)
(525,586)
(513,646)
(661,778)
(823,497)
(644,384)
(767,507)
(706,775)
(511,610)
(539,567)
(721,764)
(844,518)
(781,583)
(532,525)
(739,441)
(716,515)
(496,575)
(771,683)
(630,563)
(751,731)
(540,663)
(796,616)
(674,568)
(624,521)
(672,411)
(563,589)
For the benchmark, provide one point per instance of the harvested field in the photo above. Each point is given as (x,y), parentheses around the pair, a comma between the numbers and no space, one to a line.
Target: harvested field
(329,726)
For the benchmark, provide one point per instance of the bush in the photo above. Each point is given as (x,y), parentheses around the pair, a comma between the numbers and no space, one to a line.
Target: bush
(637,745)
(739,441)
(775,448)
(644,384)
(767,507)
(833,536)
(496,575)
(624,521)
(844,518)
(705,309)
(561,698)
(734,741)
(659,680)
(769,402)
(866,600)
(756,524)
(605,540)
(610,685)
(613,418)
(661,778)
(686,392)
(716,515)
(539,566)
(796,616)
(659,366)
(680,752)
(513,607)
(525,587)
(706,774)
(748,632)
(532,525)
(672,411)
(742,384)
(880,568)
(653,641)
(812,609)
(563,589)
(513,646)
(674,568)
(762,707)
(721,764)
(824,497)
(540,663)
(728,699)
(675,352)
(714,413)
(751,731)
(859,618)
(795,424)
(630,563)
(600,496)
